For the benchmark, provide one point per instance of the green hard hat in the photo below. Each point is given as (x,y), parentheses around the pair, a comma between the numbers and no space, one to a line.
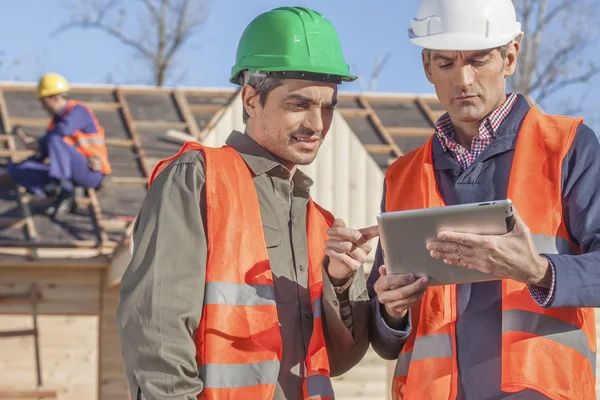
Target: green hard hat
(291,42)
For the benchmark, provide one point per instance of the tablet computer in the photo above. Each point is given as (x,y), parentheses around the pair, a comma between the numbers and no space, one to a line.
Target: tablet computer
(404,236)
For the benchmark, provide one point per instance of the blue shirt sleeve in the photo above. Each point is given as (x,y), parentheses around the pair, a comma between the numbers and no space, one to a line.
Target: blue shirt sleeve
(78,119)
(577,277)
(386,342)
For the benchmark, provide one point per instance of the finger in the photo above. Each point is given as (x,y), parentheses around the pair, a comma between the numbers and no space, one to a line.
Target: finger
(403,292)
(339,223)
(370,232)
(349,248)
(345,233)
(450,247)
(387,282)
(343,258)
(461,261)
(407,302)
(467,239)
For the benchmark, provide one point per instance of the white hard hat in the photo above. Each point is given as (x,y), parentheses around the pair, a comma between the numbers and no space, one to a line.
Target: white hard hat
(464,25)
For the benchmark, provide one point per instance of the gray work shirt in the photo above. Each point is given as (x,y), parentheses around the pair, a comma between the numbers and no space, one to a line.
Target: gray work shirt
(162,291)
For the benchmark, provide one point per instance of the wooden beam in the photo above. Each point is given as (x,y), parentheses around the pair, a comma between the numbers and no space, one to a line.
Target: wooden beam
(61,253)
(14,223)
(28,394)
(160,124)
(379,149)
(129,179)
(103,105)
(119,142)
(353,112)
(185,111)
(215,118)
(426,110)
(93,262)
(129,123)
(408,131)
(379,125)
(74,244)
(96,214)
(35,122)
(210,92)
(203,108)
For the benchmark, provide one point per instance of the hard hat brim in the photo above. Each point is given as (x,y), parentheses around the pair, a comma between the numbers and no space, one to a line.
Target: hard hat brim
(461,41)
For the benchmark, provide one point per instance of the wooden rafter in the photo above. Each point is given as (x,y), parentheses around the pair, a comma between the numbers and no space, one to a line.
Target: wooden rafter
(130,125)
(380,127)
(22,197)
(186,113)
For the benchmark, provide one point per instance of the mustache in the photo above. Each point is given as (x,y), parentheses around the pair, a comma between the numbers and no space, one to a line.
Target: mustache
(305,132)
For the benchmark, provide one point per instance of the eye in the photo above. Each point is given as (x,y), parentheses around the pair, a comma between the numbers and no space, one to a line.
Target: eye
(446,66)
(478,63)
(301,106)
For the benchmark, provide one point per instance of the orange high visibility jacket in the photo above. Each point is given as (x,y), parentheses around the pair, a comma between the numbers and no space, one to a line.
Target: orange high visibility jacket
(238,342)
(88,144)
(551,351)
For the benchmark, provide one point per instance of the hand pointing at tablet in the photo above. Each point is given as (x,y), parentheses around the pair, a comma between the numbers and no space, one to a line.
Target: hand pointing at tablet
(512,255)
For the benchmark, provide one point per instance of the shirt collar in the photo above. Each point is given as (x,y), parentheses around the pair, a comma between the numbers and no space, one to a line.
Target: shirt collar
(261,161)
(444,128)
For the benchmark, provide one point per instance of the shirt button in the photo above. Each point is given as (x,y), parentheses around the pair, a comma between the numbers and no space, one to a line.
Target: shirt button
(456,172)
(301,267)
(335,303)
(307,315)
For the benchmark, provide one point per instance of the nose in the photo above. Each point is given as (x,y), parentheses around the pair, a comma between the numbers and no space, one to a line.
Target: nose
(466,77)
(314,120)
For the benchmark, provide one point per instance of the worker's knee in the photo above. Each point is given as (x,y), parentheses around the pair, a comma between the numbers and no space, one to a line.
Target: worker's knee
(12,170)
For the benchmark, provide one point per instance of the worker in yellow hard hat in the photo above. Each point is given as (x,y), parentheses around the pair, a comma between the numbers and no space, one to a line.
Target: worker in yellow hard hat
(73,145)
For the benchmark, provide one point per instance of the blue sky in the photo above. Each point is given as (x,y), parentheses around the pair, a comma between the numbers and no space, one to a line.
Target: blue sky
(368,29)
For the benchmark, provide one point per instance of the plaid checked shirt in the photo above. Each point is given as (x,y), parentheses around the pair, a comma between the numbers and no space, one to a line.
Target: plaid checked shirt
(444,130)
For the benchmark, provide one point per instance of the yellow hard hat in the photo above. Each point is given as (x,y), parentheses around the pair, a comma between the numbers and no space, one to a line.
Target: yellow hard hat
(51,84)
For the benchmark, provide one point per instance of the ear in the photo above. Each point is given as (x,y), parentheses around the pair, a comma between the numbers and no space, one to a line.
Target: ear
(426,57)
(512,55)
(249,100)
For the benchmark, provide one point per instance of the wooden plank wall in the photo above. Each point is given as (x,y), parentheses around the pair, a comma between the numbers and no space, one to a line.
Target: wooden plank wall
(64,291)
(68,331)
(113,384)
(68,354)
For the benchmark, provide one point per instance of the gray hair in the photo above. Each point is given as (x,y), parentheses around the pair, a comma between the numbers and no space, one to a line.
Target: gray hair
(263,85)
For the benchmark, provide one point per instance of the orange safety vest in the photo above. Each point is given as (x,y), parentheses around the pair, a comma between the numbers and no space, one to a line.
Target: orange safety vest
(88,144)
(238,342)
(552,351)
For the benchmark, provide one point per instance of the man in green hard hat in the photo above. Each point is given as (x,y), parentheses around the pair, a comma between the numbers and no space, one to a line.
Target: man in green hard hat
(240,286)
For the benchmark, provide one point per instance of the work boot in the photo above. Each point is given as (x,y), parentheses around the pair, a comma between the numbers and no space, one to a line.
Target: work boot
(63,206)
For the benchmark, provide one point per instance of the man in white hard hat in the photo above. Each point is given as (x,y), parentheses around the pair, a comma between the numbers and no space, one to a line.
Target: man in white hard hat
(530,334)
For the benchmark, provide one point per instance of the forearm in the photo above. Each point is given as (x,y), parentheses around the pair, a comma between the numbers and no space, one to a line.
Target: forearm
(577,280)
(386,338)
(345,323)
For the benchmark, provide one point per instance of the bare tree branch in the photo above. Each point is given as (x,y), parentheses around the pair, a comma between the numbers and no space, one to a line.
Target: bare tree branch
(168,26)
(551,55)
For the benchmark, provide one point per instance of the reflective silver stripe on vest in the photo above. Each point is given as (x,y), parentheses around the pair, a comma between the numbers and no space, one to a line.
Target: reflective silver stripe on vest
(235,294)
(431,346)
(319,386)
(550,328)
(317,307)
(87,142)
(551,244)
(220,376)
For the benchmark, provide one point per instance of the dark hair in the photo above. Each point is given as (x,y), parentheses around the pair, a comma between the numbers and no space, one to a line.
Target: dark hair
(263,85)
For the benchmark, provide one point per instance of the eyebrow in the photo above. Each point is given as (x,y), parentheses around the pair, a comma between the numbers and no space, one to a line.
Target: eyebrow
(479,54)
(299,97)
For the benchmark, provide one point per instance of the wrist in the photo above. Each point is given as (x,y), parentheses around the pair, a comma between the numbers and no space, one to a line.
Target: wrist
(394,320)
(543,277)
